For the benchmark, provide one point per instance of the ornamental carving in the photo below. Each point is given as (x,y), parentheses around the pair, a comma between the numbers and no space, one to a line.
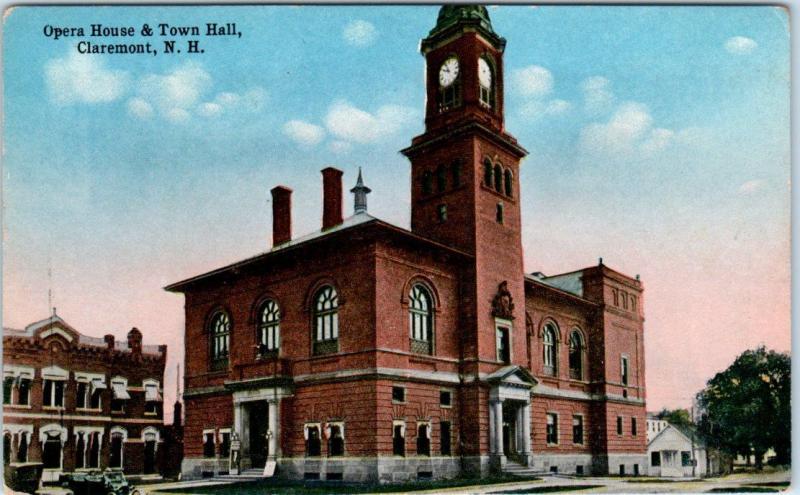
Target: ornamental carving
(503,303)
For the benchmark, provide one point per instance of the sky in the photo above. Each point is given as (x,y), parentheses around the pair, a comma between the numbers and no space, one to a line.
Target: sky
(658,138)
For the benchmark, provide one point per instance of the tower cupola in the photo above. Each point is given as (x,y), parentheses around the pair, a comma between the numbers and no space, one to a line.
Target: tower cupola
(360,195)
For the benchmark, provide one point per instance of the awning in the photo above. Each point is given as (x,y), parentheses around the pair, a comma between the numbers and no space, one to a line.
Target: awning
(98,385)
(120,391)
(151,394)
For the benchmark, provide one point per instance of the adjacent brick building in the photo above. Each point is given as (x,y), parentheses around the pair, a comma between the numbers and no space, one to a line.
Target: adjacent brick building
(74,402)
(366,351)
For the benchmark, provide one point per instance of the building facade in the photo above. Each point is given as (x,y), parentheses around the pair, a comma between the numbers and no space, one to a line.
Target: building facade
(679,452)
(369,352)
(74,402)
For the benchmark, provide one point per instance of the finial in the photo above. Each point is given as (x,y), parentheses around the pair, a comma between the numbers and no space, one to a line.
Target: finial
(54,311)
(637,276)
(360,192)
(600,261)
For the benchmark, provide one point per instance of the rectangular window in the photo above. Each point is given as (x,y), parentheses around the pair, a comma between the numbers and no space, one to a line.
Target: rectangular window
(445,398)
(619,425)
(313,441)
(579,470)
(499,213)
(686,458)
(151,408)
(424,439)
(225,444)
(8,386)
(83,390)
(24,392)
(336,440)
(622,469)
(577,429)
(503,345)
(117,405)
(554,469)
(53,393)
(398,394)
(398,439)
(208,444)
(441,213)
(624,370)
(445,448)
(655,458)
(552,428)
(636,470)
(633,427)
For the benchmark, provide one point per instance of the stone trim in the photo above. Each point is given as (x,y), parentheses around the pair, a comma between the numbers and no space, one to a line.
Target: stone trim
(76,417)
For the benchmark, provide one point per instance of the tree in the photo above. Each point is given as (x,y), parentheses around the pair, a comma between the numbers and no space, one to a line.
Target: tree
(746,409)
(677,417)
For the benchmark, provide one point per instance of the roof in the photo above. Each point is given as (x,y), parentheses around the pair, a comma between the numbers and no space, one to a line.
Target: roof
(357,221)
(32,330)
(542,282)
(689,434)
(454,17)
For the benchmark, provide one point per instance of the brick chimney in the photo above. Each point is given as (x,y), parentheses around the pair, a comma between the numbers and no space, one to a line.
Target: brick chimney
(281,215)
(331,197)
(135,341)
(109,341)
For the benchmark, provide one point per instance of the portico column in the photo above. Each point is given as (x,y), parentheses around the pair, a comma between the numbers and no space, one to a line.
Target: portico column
(492,439)
(498,426)
(526,431)
(273,428)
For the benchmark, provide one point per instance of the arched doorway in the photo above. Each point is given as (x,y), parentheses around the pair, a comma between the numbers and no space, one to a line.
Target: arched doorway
(150,437)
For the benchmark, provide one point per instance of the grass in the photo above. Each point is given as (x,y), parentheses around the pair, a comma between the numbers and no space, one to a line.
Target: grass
(743,489)
(550,489)
(663,480)
(289,487)
(781,484)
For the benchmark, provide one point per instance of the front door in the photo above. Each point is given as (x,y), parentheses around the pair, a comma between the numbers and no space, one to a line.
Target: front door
(258,415)
(149,456)
(509,429)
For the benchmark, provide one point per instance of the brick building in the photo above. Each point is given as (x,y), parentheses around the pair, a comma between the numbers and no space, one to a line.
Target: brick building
(74,402)
(370,352)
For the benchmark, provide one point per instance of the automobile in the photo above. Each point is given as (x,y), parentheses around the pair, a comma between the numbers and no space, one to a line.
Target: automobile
(98,483)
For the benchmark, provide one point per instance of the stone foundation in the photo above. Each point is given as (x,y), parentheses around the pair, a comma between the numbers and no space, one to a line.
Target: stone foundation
(565,463)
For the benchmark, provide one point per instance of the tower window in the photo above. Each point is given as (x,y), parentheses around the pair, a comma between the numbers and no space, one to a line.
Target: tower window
(487,173)
(441,179)
(326,321)
(509,183)
(619,425)
(455,171)
(624,370)
(499,213)
(498,178)
(445,398)
(441,212)
(427,183)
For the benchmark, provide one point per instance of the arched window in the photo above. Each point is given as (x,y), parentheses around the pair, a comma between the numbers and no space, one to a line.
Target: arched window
(427,183)
(420,319)
(509,182)
(498,178)
(441,178)
(269,328)
(424,439)
(549,345)
(485,82)
(576,349)
(487,173)
(22,449)
(220,331)
(6,448)
(326,321)
(455,172)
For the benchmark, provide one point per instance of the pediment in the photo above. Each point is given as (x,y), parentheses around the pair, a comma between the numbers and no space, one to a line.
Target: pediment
(513,375)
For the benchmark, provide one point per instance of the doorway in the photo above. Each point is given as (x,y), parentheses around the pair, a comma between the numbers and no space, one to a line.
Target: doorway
(510,429)
(258,414)
(149,454)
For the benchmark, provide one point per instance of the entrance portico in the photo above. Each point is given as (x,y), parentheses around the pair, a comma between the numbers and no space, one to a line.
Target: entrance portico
(256,421)
(510,416)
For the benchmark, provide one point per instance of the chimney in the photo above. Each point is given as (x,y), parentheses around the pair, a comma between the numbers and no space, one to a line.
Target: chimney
(109,341)
(281,215)
(135,341)
(331,197)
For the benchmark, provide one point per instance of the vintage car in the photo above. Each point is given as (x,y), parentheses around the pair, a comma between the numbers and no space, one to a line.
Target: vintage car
(98,483)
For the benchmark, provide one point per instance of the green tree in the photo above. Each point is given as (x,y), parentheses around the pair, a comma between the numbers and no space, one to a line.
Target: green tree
(746,409)
(677,417)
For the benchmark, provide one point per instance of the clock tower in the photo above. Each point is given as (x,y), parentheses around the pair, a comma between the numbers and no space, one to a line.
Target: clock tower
(465,180)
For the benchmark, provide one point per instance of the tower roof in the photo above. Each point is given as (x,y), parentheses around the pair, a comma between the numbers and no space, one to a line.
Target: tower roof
(454,17)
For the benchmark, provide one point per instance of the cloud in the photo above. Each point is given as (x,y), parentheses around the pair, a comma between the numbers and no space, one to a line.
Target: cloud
(536,108)
(629,131)
(349,123)
(78,78)
(740,45)
(359,33)
(304,133)
(751,186)
(533,80)
(597,94)
(340,146)
(140,108)
(180,93)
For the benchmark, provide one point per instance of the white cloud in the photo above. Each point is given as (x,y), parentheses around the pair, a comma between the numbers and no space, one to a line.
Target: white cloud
(740,45)
(359,33)
(533,80)
(536,108)
(751,186)
(340,146)
(78,78)
(177,115)
(209,109)
(304,133)
(140,108)
(597,94)
(349,123)
(629,131)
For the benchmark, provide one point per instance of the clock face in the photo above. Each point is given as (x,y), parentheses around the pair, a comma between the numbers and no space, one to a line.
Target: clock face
(484,73)
(449,72)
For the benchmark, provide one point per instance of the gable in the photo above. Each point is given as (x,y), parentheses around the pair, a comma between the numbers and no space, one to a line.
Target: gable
(671,439)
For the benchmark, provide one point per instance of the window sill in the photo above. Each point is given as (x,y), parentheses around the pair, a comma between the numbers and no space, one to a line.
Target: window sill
(89,409)
(552,445)
(446,407)
(53,408)
(17,406)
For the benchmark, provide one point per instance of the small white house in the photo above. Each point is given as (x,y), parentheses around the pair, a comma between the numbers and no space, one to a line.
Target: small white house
(677,452)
